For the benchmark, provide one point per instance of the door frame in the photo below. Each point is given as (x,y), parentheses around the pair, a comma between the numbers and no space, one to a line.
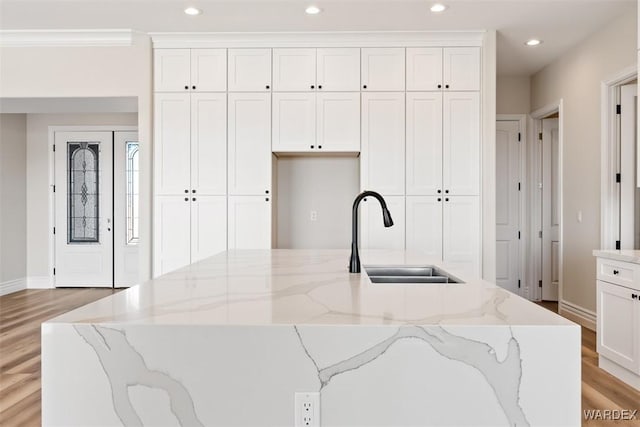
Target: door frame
(51,202)
(523,244)
(536,197)
(609,196)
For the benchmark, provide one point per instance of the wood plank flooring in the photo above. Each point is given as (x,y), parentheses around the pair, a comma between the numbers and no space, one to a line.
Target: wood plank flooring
(21,314)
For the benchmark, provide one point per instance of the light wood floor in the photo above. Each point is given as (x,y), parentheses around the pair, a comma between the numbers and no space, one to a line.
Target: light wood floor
(21,314)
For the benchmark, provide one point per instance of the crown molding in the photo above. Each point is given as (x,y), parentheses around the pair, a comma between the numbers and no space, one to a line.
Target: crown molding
(65,38)
(319,39)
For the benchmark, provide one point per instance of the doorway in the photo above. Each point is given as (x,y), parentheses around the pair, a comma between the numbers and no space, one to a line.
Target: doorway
(96,192)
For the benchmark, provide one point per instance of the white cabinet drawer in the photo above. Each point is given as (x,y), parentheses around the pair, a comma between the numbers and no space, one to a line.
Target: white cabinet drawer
(620,273)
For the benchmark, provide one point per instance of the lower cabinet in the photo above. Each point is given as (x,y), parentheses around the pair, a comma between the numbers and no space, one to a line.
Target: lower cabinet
(424,225)
(373,233)
(187,229)
(250,222)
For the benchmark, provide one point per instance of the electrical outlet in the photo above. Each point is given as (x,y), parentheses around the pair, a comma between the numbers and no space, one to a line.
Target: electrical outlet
(307,409)
(314,215)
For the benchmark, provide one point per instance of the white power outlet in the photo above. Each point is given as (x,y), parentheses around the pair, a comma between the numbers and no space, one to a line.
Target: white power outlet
(307,409)
(314,215)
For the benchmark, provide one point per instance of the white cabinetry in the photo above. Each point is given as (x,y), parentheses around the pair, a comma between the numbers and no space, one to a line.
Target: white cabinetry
(250,222)
(172,233)
(450,68)
(249,70)
(180,70)
(461,230)
(461,68)
(338,69)
(209,143)
(172,118)
(294,69)
(424,143)
(383,69)
(294,121)
(424,225)
(208,226)
(424,69)
(374,235)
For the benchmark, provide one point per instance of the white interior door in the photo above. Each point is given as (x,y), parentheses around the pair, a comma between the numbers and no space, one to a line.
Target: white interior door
(83,209)
(550,209)
(508,205)
(126,208)
(629,230)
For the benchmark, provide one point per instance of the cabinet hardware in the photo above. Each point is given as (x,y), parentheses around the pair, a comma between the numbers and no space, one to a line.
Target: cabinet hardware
(193,191)
(266,191)
(266,199)
(439,199)
(446,199)
(194,199)
(634,296)
(312,86)
(439,191)
(439,86)
(186,87)
(312,146)
(186,191)
(446,191)
(186,199)
(364,86)
(446,86)
(319,86)
(267,87)
(320,147)
(616,272)
(193,87)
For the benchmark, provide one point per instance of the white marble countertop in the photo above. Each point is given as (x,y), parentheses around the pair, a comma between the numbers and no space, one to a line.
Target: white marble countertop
(312,287)
(625,255)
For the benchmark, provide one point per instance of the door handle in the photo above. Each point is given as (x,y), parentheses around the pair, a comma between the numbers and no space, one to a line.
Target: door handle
(616,272)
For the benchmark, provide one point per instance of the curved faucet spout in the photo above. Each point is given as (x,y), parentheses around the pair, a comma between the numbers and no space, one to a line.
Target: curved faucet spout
(354,262)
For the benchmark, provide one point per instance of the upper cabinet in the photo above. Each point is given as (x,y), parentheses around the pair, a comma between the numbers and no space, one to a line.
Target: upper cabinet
(249,70)
(180,70)
(383,69)
(331,69)
(450,68)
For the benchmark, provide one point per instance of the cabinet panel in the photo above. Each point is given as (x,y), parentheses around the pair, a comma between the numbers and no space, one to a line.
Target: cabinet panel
(208,226)
(424,225)
(373,233)
(383,69)
(461,230)
(424,69)
(294,121)
(294,69)
(249,145)
(618,328)
(209,70)
(461,159)
(338,69)
(249,222)
(249,70)
(383,130)
(619,273)
(424,143)
(462,68)
(171,70)
(172,233)
(338,126)
(209,143)
(171,143)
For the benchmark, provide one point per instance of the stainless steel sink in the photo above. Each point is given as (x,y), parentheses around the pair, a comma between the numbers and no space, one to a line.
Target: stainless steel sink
(409,274)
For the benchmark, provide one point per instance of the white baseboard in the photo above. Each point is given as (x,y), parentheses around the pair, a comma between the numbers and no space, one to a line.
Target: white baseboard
(39,282)
(619,372)
(12,286)
(580,315)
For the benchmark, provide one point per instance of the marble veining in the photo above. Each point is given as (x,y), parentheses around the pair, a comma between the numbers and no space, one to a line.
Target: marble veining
(125,367)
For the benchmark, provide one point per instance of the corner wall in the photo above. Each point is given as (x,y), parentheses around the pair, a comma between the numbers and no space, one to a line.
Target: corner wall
(575,78)
(513,95)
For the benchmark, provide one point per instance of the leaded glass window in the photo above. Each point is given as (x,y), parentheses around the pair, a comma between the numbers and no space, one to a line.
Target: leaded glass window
(83,193)
(132,192)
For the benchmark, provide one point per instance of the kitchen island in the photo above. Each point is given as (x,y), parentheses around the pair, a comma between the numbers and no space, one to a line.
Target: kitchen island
(229,341)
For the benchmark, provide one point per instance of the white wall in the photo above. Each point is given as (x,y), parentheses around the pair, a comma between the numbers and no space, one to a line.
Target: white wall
(12,197)
(575,78)
(116,71)
(513,95)
(326,185)
(38,170)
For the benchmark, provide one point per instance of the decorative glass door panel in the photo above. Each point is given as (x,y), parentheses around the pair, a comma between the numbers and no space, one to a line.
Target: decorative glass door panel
(83,192)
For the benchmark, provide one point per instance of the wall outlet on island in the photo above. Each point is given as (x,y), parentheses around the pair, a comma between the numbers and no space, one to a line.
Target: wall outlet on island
(307,409)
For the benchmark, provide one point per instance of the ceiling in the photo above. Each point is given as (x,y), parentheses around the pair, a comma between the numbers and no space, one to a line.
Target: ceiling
(560,23)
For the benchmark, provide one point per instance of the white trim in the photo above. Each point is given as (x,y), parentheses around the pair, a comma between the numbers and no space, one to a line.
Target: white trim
(39,282)
(608,158)
(619,372)
(316,39)
(524,248)
(580,315)
(12,286)
(59,38)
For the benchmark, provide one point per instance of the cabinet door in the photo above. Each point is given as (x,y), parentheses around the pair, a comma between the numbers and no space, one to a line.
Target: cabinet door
(462,68)
(249,222)
(461,158)
(424,225)
(171,70)
(424,143)
(338,69)
(338,121)
(209,143)
(461,231)
(294,121)
(172,233)
(383,69)
(208,226)
(618,328)
(209,70)
(249,70)
(171,146)
(294,70)
(373,233)
(249,145)
(383,131)
(424,68)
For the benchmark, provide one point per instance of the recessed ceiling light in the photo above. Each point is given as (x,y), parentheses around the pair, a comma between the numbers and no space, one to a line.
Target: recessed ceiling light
(438,7)
(313,10)
(192,11)
(533,42)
